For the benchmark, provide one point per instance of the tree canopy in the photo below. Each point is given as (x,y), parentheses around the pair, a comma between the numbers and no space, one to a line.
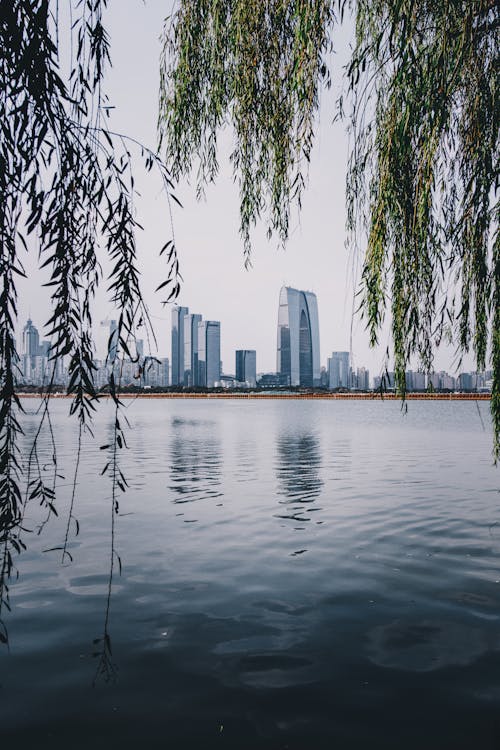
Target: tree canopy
(422,185)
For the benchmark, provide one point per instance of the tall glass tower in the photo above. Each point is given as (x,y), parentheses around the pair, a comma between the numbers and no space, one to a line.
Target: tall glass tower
(208,352)
(298,360)
(191,349)
(178,314)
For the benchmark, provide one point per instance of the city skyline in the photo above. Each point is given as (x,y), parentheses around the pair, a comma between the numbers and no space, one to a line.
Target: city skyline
(196,345)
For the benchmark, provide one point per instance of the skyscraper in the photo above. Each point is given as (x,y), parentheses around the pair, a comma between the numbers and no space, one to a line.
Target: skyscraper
(178,314)
(31,340)
(298,337)
(191,349)
(339,370)
(34,361)
(208,352)
(246,366)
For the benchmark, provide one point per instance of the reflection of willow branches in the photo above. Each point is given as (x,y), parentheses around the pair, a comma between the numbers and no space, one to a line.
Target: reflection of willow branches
(37,488)
(71,516)
(106,668)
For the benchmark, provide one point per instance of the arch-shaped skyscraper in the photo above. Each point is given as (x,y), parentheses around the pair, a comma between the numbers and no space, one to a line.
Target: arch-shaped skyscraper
(298,360)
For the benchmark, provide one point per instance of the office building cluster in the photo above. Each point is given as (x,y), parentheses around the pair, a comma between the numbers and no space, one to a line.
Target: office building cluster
(140,371)
(466,382)
(195,350)
(38,369)
(196,360)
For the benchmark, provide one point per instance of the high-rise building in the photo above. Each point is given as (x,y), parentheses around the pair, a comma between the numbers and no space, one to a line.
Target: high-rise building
(362,379)
(298,358)
(178,314)
(31,340)
(246,366)
(208,352)
(191,349)
(339,371)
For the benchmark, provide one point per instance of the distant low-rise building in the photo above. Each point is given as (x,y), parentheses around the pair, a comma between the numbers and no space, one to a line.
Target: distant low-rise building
(272,380)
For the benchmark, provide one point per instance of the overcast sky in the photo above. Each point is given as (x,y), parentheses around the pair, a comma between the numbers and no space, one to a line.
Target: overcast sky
(216,283)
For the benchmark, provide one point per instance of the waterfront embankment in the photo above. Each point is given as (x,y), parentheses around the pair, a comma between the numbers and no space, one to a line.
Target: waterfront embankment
(281,395)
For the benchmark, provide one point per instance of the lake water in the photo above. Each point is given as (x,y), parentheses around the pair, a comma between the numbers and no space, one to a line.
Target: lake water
(295,574)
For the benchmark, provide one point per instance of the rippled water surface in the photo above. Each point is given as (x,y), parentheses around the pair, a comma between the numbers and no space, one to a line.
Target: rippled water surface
(295,574)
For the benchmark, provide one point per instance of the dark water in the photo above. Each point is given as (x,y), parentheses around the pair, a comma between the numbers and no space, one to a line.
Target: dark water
(295,575)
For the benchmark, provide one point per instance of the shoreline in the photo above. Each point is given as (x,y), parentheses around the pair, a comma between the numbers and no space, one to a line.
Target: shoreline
(307,396)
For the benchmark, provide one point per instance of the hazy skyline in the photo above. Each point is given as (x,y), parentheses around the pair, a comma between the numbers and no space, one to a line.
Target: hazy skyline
(215,282)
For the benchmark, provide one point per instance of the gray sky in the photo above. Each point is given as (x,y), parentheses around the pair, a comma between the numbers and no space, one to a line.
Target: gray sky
(216,283)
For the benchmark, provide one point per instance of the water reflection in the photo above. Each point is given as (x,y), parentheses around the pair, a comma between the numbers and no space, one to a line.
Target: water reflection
(196,462)
(246,465)
(298,472)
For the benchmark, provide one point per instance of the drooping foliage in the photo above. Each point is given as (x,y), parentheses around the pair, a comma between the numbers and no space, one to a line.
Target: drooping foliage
(260,64)
(423,173)
(67,195)
(424,176)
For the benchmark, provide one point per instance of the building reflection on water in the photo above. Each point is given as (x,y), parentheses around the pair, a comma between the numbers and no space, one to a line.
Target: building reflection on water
(298,470)
(196,462)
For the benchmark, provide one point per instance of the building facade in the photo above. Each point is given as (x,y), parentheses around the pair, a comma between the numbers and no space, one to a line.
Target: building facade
(178,315)
(208,353)
(191,322)
(246,367)
(298,355)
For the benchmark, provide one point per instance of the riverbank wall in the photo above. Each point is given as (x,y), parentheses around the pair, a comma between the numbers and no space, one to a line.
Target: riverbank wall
(308,396)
